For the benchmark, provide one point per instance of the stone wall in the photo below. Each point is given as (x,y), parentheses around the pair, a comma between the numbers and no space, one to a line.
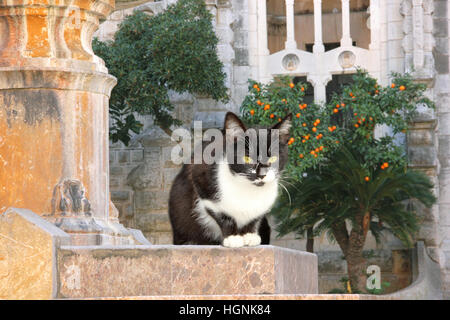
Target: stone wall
(441,97)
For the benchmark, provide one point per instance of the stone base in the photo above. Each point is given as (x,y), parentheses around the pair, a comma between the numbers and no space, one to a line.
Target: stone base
(183,270)
(39,261)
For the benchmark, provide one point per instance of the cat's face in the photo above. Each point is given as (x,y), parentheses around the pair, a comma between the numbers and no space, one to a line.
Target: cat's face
(260,154)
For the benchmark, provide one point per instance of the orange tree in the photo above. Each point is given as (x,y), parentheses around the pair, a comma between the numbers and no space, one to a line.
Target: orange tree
(360,183)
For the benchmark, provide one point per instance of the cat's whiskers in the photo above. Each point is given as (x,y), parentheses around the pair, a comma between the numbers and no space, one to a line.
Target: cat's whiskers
(287,191)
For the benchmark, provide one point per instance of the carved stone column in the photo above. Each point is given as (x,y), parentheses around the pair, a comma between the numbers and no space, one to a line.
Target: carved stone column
(54,96)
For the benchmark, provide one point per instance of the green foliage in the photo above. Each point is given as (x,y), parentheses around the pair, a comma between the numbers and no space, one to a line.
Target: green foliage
(384,286)
(150,55)
(338,191)
(367,104)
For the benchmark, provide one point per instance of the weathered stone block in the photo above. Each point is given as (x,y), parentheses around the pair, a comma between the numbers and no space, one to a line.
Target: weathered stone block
(137,155)
(145,201)
(27,244)
(123,156)
(146,175)
(423,156)
(183,270)
(120,195)
(420,137)
(156,222)
(116,171)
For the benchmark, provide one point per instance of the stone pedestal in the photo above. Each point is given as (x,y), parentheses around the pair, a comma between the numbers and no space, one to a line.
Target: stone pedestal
(184,270)
(54,96)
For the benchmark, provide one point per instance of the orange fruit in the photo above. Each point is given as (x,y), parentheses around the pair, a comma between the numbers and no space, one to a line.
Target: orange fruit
(271,116)
(303,89)
(259,102)
(393,85)
(301,155)
(314,129)
(367,178)
(304,124)
(386,164)
(279,119)
(342,104)
(291,85)
(298,115)
(356,125)
(255,86)
(252,112)
(335,110)
(401,88)
(321,148)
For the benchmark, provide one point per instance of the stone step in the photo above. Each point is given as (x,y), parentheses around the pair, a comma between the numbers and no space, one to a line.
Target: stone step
(129,272)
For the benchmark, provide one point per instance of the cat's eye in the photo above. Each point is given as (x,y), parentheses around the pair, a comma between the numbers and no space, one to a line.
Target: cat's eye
(273,159)
(248,160)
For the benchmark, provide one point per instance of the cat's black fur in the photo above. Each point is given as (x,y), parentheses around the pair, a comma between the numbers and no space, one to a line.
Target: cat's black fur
(199,181)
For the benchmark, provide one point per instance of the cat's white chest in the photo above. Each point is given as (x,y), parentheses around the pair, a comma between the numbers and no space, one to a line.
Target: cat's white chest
(241,199)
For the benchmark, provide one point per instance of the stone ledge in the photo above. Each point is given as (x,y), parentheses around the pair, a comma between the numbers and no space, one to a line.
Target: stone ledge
(168,270)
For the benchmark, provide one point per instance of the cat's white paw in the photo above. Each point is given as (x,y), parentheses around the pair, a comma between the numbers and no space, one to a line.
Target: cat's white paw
(233,241)
(251,239)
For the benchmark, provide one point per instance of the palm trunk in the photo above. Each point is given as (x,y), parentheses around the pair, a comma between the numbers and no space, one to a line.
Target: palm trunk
(309,240)
(352,246)
(356,265)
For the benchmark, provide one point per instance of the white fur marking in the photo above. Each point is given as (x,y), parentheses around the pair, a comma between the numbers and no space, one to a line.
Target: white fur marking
(240,198)
(252,239)
(270,176)
(212,229)
(233,241)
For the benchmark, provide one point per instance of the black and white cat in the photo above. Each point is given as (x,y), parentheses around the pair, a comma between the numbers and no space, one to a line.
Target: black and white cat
(226,202)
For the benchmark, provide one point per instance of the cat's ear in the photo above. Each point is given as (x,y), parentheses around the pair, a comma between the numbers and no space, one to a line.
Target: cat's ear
(233,126)
(284,126)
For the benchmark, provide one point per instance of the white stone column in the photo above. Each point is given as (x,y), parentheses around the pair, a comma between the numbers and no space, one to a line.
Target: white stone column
(253,39)
(263,50)
(318,42)
(374,25)
(319,83)
(417,32)
(290,33)
(346,40)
